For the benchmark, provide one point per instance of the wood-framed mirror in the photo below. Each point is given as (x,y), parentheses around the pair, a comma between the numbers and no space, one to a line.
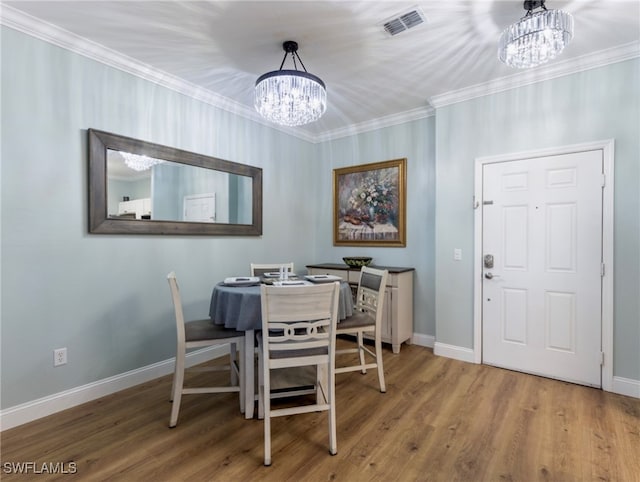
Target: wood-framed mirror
(137,187)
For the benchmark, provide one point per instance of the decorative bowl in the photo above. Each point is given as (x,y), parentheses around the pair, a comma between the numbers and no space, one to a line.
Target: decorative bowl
(357,261)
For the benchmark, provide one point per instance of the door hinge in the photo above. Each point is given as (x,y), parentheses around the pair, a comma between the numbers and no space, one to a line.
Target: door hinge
(604,180)
(602,270)
(601,358)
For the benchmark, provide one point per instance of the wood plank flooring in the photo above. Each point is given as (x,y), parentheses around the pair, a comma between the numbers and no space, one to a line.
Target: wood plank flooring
(440,420)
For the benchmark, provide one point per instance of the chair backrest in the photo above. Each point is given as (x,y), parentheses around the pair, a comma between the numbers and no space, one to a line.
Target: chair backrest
(370,294)
(258,269)
(299,321)
(177,306)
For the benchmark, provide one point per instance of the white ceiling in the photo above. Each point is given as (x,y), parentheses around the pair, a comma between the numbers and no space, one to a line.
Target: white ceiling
(371,78)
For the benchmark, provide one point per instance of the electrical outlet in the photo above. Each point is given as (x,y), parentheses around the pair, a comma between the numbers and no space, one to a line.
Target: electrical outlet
(59,357)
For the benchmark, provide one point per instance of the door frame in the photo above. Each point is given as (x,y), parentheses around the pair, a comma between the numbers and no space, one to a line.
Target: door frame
(607,147)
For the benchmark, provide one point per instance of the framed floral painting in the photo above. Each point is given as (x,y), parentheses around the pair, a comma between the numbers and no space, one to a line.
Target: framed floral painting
(369,204)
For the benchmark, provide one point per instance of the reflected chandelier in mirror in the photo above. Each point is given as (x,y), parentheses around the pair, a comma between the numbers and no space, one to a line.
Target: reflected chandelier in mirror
(137,187)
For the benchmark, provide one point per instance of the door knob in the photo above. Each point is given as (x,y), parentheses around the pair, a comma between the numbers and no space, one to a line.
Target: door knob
(488,275)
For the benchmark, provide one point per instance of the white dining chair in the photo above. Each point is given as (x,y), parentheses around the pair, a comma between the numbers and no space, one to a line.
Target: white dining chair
(198,334)
(258,269)
(366,319)
(299,330)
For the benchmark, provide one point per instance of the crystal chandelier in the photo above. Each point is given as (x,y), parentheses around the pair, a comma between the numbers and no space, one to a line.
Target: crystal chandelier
(290,97)
(537,38)
(139,162)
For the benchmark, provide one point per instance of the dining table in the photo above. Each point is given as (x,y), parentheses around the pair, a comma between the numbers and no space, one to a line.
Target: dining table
(239,307)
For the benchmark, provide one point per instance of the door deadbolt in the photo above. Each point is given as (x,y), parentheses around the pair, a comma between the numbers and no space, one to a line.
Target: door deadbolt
(488,261)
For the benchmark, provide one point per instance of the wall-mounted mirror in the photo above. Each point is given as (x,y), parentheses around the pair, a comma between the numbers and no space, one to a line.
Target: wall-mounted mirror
(137,187)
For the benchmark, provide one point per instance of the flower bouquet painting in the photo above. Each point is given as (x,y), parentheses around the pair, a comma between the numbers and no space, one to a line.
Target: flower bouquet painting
(369,204)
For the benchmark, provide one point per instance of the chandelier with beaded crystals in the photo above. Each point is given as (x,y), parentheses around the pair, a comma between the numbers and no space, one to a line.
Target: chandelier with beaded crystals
(290,97)
(138,162)
(537,38)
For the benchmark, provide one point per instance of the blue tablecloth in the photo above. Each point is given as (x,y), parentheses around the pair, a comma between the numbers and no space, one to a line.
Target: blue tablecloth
(239,307)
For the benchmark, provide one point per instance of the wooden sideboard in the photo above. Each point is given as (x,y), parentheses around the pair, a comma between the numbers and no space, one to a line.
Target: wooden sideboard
(397,319)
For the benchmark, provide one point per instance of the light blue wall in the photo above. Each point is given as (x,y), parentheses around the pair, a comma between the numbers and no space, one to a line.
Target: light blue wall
(106,298)
(172,182)
(594,105)
(165,182)
(416,142)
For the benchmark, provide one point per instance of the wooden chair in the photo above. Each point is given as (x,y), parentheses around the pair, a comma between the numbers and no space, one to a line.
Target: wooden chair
(298,330)
(197,334)
(367,318)
(260,269)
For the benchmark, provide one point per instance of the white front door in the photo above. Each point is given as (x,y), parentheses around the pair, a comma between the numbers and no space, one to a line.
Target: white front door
(542,257)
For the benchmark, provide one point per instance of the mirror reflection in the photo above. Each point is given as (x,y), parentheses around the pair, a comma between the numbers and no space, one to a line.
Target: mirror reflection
(137,187)
(142,187)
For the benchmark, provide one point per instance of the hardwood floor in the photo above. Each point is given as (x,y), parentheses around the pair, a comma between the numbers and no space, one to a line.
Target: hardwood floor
(440,420)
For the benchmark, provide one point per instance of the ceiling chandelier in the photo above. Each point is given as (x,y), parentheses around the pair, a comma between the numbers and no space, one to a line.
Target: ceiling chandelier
(139,162)
(290,97)
(537,38)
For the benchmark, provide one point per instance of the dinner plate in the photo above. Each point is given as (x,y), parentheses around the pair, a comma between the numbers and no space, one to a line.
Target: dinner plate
(290,283)
(322,278)
(242,281)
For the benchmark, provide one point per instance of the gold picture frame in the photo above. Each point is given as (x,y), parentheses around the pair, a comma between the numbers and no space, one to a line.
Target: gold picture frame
(369,204)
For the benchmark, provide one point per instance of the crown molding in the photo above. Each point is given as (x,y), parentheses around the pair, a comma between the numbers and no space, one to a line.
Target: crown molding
(378,123)
(22,22)
(55,35)
(30,25)
(557,69)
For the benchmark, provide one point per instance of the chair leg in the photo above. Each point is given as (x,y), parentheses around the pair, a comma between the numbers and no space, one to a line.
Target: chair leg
(249,373)
(361,350)
(265,390)
(178,381)
(331,390)
(378,342)
(241,373)
(260,384)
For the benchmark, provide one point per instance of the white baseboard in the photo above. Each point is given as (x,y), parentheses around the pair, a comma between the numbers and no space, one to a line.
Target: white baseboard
(453,351)
(27,412)
(621,386)
(626,386)
(30,411)
(423,340)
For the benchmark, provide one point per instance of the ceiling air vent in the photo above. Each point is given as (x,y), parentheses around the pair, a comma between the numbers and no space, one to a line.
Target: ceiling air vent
(403,21)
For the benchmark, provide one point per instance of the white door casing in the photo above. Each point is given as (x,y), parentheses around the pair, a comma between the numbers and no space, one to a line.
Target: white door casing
(546,310)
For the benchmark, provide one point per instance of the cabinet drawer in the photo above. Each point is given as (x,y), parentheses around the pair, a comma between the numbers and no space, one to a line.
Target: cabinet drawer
(332,272)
